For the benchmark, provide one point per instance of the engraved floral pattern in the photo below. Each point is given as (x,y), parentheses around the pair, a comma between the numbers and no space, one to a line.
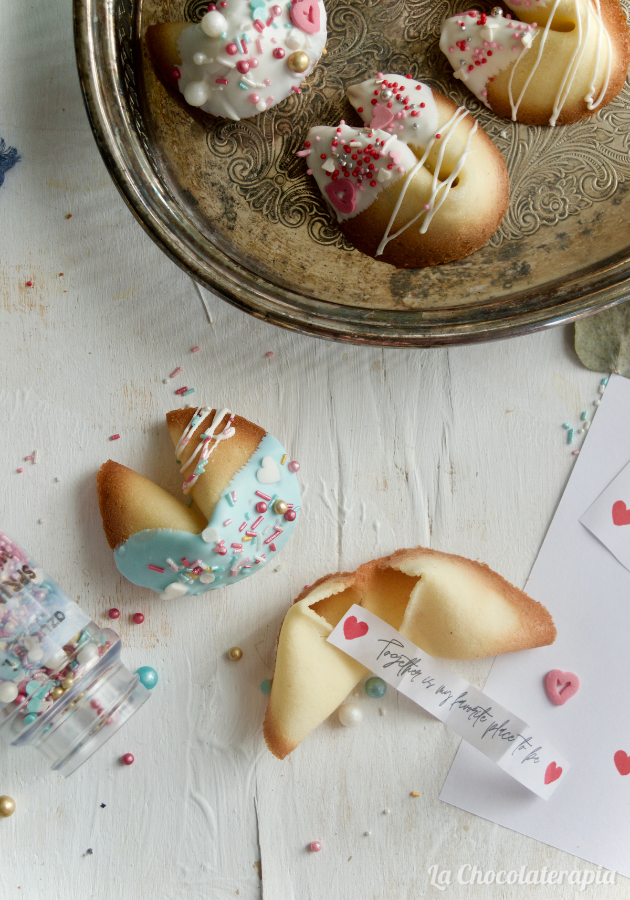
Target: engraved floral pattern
(555,173)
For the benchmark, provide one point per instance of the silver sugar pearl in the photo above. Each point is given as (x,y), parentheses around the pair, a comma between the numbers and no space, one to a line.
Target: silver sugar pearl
(496,11)
(415,126)
(386,94)
(462,62)
(469,39)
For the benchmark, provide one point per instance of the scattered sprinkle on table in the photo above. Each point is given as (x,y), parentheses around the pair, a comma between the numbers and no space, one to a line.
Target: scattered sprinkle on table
(103,805)
(176,371)
(195,349)
(148,677)
(114,437)
(315,846)
(20,470)
(29,283)
(113,613)
(415,793)
(138,618)
(127,759)
(269,353)
(235,653)
(7,806)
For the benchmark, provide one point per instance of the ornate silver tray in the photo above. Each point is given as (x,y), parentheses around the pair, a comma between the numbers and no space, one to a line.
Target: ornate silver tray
(232,205)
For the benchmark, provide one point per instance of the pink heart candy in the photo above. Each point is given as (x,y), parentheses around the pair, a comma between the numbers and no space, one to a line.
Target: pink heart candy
(305,15)
(395,156)
(561,686)
(343,196)
(381,116)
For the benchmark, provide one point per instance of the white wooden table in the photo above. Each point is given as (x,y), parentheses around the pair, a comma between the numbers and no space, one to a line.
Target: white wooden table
(460,449)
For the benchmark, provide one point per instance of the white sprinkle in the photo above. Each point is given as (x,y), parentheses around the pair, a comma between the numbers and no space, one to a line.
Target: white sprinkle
(40,521)
(367,833)
(165,380)
(35,455)
(383,711)
(580,431)
(596,402)
(601,388)
(587,425)
(386,812)
(504,134)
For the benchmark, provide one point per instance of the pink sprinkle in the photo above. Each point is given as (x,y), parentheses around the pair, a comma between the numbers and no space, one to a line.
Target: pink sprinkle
(264,496)
(270,352)
(227,522)
(176,371)
(220,550)
(155,568)
(259,45)
(20,471)
(195,349)
(186,563)
(272,547)
(273,536)
(270,100)
(243,526)
(28,458)
(236,546)
(221,81)
(296,89)
(181,389)
(250,533)
(257,522)
(115,437)
(575,453)
(233,495)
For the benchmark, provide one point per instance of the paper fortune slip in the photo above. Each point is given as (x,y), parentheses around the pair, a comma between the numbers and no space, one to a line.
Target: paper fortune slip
(500,735)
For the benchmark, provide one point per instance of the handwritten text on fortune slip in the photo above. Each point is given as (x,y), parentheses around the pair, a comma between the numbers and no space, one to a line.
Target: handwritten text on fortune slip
(502,737)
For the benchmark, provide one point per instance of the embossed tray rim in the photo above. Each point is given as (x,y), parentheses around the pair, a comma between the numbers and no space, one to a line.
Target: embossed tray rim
(129,163)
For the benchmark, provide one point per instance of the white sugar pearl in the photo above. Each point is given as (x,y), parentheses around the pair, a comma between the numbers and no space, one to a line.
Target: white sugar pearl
(87,654)
(36,654)
(214,23)
(8,692)
(199,58)
(57,660)
(31,642)
(196,93)
(210,535)
(350,715)
(295,39)
(175,589)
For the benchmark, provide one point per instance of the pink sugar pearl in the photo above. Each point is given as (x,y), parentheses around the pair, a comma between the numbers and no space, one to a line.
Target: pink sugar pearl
(127,759)
(315,846)
(294,466)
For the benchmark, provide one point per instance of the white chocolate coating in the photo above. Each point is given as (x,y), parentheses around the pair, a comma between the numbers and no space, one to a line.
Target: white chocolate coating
(228,67)
(479,46)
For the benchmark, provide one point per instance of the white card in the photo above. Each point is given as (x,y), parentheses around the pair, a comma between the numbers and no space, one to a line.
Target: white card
(609,517)
(586,590)
(501,736)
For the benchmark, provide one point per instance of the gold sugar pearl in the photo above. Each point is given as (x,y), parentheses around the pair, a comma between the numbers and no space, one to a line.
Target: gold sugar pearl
(67,682)
(235,653)
(415,793)
(56,693)
(280,506)
(7,806)
(298,61)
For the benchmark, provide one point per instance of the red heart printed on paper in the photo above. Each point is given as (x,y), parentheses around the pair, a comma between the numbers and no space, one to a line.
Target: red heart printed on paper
(381,116)
(561,686)
(305,15)
(620,513)
(343,196)
(622,761)
(352,628)
(552,773)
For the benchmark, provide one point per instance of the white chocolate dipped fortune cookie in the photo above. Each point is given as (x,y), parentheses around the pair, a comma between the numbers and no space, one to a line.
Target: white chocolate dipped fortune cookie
(449,606)
(565,60)
(240,59)
(419,185)
(247,495)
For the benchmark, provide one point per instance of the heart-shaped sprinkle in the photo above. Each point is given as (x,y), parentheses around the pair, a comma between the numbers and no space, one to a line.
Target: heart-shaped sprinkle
(305,15)
(620,513)
(352,628)
(622,761)
(561,686)
(552,773)
(210,535)
(381,116)
(395,156)
(173,590)
(343,196)
(268,472)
